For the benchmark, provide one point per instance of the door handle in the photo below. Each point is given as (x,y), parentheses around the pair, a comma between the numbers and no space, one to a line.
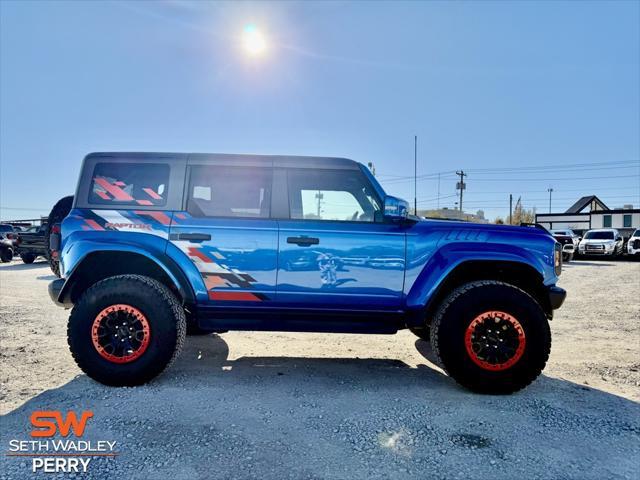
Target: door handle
(194,237)
(303,241)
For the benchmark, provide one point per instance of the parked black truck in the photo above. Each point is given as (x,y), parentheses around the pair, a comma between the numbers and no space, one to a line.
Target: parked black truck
(32,243)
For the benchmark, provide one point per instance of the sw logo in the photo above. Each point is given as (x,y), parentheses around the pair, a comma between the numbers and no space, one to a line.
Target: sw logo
(54,455)
(47,428)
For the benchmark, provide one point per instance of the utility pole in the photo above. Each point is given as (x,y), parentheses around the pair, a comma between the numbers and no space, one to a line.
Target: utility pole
(510,209)
(415,175)
(319,196)
(438,191)
(372,167)
(550,190)
(461,185)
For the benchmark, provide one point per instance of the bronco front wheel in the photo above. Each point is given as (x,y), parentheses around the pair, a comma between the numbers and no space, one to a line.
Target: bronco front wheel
(125,330)
(491,337)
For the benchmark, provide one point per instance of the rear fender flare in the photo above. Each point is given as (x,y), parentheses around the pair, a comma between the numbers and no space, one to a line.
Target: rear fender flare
(82,250)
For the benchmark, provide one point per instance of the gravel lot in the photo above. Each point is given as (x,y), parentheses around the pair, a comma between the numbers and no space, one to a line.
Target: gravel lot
(276,406)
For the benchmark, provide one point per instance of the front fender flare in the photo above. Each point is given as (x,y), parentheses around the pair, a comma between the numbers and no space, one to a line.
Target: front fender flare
(447,258)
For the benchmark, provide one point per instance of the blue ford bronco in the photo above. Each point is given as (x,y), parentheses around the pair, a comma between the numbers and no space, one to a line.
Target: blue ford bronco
(158,245)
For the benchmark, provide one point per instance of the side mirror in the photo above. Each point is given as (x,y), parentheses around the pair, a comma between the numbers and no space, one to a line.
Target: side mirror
(395,208)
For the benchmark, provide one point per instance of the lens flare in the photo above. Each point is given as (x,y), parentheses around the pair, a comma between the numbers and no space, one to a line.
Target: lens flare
(253,41)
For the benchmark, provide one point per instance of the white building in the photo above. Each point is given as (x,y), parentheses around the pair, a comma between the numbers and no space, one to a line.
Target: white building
(625,219)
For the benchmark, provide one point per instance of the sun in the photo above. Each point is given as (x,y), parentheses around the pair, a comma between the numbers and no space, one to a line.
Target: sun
(253,41)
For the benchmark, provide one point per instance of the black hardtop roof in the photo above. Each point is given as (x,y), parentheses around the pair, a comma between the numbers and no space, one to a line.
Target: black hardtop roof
(227,158)
(584,202)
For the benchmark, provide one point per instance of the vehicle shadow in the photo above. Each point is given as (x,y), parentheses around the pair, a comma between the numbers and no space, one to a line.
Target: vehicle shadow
(584,263)
(23,266)
(358,418)
(207,356)
(48,278)
(424,348)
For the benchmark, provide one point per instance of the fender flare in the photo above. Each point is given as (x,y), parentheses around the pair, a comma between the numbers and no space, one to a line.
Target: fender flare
(451,256)
(82,250)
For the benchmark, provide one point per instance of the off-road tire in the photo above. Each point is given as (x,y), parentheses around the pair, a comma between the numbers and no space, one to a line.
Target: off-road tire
(59,211)
(28,257)
(424,333)
(6,255)
(456,313)
(161,308)
(567,257)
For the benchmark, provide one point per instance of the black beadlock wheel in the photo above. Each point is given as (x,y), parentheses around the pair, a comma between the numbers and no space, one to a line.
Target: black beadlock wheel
(6,255)
(125,330)
(28,257)
(491,337)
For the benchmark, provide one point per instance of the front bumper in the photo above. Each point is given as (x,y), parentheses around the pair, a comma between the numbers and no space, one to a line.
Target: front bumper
(556,296)
(601,250)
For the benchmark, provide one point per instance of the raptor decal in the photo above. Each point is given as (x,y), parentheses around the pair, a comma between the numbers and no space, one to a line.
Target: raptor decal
(216,275)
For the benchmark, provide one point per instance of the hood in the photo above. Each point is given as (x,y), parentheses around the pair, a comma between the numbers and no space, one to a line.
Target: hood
(596,240)
(482,227)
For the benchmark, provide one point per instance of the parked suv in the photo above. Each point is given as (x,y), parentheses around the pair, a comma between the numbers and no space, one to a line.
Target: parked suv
(633,245)
(603,241)
(7,242)
(31,243)
(569,241)
(156,244)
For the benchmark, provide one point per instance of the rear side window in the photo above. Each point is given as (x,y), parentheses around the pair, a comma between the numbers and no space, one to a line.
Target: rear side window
(220,191)
(143,184)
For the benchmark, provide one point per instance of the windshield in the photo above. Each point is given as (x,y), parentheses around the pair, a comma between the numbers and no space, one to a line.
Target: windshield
(636,233)
(599,236)
(6,228)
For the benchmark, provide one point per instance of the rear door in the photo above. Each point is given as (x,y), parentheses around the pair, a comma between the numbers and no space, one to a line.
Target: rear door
(335,249)
(226,231)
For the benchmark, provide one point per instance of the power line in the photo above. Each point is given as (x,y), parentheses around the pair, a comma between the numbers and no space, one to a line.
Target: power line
(550,179)
(566,168)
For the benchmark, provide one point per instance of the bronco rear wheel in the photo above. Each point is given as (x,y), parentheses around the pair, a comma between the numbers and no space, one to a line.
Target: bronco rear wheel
(125,330)
(491,337)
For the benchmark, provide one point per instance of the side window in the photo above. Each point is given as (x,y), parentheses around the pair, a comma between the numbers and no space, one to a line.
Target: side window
(606,221)
(220,191)
(129,184)
(342,195)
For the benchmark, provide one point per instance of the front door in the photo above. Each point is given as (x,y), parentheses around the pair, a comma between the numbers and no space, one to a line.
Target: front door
(227,234)
(335,250)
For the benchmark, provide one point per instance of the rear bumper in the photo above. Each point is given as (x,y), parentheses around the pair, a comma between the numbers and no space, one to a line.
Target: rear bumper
(55,287)
(556,296)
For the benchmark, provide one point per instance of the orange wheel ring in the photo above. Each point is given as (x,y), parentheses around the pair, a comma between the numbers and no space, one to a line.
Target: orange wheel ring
(495,340)
(120,333)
